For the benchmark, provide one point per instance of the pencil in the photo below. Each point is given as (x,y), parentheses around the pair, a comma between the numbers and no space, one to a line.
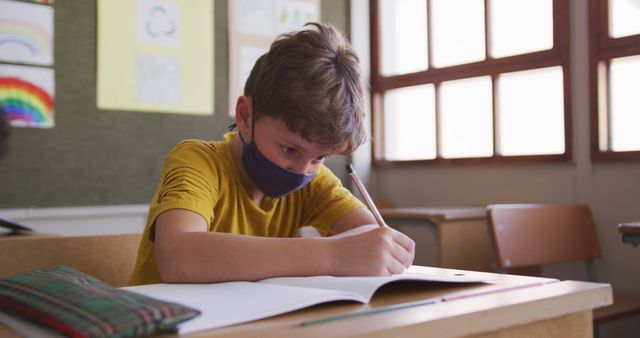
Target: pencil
(363,192)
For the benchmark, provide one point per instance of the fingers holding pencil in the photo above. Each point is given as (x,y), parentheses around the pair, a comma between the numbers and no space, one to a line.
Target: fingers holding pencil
(401,247)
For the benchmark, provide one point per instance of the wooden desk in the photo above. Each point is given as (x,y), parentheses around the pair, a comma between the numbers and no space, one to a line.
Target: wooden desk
(546,308)
(630,232)
(461,235)
(513,306)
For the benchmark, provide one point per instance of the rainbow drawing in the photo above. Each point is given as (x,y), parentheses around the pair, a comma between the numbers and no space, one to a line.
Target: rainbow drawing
(26,104)
(24,37)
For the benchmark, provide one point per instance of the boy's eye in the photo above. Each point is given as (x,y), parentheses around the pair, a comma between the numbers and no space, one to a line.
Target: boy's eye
(289,150)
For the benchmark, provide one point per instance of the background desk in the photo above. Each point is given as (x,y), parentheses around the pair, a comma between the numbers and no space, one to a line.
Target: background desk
(110,258)
(461,236)
(630,232)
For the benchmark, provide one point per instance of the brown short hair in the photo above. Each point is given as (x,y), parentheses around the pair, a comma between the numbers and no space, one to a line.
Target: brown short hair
(311,80)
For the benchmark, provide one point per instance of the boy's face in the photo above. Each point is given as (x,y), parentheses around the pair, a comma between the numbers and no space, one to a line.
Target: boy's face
(285,148)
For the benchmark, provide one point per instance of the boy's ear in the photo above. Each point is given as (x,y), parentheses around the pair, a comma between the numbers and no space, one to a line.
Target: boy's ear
(244,115)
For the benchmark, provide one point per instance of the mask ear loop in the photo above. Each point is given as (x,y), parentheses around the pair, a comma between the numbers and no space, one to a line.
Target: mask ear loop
(253,122)
(253,125)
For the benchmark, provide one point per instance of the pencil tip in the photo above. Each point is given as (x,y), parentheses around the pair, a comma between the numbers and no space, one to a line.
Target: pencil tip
(349,168)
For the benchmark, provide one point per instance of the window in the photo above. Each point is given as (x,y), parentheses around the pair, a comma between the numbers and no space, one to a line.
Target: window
(480,80)
(615,79)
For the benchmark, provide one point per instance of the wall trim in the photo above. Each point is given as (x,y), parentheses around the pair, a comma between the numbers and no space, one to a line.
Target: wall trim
(88,220)
(74,212)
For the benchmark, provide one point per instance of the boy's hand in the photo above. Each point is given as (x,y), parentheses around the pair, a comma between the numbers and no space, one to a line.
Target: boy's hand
(381,251)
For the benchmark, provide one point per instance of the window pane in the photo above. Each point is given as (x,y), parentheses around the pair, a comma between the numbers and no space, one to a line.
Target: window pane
(519,27)
(409,123)
(466,122)
(530,109)
(403,32)
(625,104)
(457,32)
(603,104)
(624,17)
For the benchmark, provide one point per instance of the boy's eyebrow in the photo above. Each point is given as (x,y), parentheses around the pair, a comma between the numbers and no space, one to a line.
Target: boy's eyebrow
(284,139)
(291,143)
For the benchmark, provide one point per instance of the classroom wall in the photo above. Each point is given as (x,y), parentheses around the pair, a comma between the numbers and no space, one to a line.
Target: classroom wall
(101,157)
(612,189)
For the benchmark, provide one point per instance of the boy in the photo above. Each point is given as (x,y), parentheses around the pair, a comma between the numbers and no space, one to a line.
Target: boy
(230,210)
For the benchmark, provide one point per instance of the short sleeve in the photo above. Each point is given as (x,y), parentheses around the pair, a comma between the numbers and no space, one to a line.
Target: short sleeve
(327,201)
(189,181)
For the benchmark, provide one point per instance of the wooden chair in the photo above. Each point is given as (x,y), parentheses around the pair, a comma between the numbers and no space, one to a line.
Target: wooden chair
(110,258)
(532,235)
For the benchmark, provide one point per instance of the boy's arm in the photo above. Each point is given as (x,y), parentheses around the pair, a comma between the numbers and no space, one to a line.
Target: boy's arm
(353,219)
(186,252)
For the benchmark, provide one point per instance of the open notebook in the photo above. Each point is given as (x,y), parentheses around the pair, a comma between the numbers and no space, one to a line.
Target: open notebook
(224,304)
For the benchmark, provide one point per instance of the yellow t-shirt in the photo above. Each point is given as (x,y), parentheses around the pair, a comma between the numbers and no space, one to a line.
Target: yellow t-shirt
(202,177)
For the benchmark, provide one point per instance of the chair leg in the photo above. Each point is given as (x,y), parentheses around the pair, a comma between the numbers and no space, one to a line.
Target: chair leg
(596,331)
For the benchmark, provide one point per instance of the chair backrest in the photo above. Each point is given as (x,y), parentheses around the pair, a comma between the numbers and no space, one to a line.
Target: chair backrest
(537,234)
(110,258)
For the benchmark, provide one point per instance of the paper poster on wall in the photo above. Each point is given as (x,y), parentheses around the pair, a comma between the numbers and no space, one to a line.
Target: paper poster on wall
(158,22)
(257,17)
(26,33)
(292,15)
(157,78)
(27,95)
(253,25)
(156,56)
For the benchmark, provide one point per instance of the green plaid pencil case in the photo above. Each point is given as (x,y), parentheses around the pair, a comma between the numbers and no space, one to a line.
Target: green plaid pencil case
(79,305)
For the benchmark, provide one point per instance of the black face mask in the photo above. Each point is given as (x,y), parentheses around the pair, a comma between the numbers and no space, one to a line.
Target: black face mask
(271,179)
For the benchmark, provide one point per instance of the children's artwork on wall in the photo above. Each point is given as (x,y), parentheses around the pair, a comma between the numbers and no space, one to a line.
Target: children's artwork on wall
(253,25)
(152,59)
(26,33)
(158,23)
(157,78)
(27,95)
(292,15)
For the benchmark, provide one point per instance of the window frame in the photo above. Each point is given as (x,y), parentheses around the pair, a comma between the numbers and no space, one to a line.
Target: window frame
(558,55)
(603,48)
